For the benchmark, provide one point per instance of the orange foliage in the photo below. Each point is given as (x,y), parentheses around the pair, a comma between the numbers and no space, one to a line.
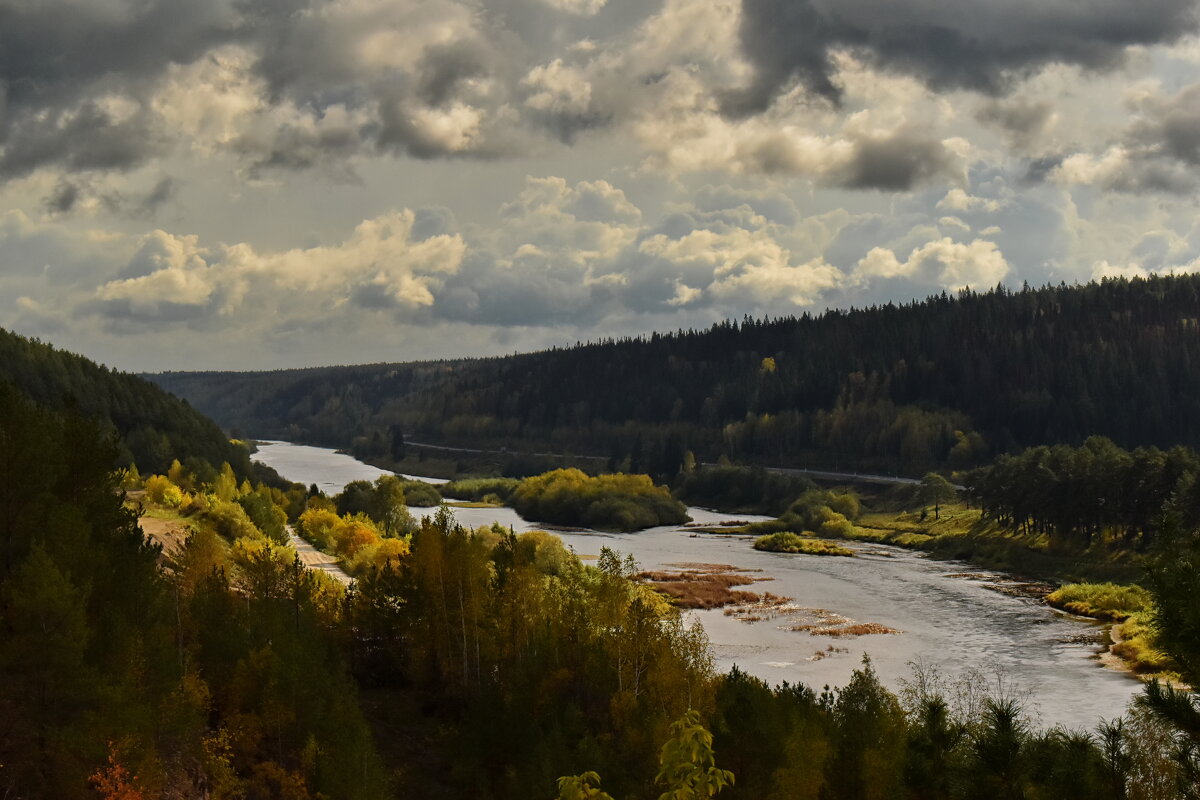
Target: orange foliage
(114,781)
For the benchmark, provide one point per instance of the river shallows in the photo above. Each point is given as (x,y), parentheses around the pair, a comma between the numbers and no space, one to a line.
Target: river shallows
(952,622)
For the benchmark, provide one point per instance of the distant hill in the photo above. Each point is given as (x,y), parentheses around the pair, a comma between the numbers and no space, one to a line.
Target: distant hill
(153,426)
(945,382)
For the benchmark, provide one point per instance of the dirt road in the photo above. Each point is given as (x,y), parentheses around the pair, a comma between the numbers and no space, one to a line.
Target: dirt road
(315,559)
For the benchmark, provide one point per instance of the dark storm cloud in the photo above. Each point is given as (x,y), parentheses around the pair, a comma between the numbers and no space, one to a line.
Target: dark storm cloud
(1171,128)
(1019,120)
(1039,169)
(982,45)
(54,50)
(443,68)
(57,56)
(86,137)
(63,198)
(897,162)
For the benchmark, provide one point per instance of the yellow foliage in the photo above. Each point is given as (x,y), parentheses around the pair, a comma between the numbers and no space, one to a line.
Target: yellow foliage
(161,491)
(353,535)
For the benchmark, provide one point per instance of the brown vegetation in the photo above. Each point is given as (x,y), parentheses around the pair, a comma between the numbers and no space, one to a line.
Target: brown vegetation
(700,585)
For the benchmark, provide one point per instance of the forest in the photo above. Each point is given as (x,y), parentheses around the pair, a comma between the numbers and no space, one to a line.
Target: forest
(461,663)
(945,383)
(153,426)
(1094,495)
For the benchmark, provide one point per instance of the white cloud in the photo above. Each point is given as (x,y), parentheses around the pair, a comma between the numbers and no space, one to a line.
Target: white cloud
(943,263)
(378,266)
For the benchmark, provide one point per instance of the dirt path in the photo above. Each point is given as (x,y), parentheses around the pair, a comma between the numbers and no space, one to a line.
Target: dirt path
(315,559)
(171,534)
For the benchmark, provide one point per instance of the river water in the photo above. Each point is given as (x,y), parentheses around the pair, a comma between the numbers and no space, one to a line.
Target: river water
(949,615)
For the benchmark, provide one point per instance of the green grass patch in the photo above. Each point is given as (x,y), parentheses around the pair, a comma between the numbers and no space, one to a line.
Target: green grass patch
(789,542)
(1108,601)
(1134,641)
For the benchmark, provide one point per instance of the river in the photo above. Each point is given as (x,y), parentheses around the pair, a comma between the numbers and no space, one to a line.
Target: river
(950,615)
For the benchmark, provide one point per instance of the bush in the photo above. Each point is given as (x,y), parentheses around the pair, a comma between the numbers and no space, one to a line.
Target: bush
(816,510)
(229,520)
(750,490)
(606,502)
(481,489)
(162,492)
(788,542)
(836,526)
(317,525)
(421,494)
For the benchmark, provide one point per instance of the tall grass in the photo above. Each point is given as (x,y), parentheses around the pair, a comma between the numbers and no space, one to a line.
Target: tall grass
(1108,601)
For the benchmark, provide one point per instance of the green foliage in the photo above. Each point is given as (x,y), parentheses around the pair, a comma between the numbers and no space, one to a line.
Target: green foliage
(935,489)
(1107,601)
(481,488)
(687,768)
(383,501)
(261,509)
(741,489)
(928,385)
(1095,494)
(585,786)
(821,511)
(152,426)
(1173,574)
(421,494)
(788,542)
(230,520)
(606,502)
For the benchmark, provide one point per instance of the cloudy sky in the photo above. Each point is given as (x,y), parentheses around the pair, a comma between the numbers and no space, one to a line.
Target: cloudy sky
(271,183)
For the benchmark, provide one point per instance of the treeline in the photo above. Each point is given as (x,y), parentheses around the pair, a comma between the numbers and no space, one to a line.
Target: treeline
(153,426)
(947,382)
(1095,494)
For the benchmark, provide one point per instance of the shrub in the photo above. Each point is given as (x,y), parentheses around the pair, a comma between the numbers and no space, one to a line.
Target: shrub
(229,520)
(481,489)
(789,542)
(606,502)
(162,492)
(421,494)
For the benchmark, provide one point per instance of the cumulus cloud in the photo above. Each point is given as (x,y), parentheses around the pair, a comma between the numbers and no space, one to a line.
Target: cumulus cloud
(174,279)
(982,45)
(943,263)
(1158,152)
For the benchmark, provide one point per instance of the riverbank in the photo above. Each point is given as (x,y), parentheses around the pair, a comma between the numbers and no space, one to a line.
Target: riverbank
(1102,580)
(960,624)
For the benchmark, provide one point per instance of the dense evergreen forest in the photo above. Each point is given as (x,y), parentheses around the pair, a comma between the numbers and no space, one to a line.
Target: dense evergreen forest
(153,426)
(948,382)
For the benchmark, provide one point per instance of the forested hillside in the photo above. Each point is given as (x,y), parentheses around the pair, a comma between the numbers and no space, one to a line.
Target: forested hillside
(153,426)
(951,381)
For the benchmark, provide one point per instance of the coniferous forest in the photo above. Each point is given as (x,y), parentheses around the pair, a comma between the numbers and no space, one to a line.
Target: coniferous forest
(948,382)
(152,426)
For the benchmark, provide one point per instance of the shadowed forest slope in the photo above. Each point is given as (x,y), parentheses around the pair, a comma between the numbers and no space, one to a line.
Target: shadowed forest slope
(947,382)
(153,426)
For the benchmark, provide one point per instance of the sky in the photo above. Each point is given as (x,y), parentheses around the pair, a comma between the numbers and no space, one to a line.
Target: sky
(238,184)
